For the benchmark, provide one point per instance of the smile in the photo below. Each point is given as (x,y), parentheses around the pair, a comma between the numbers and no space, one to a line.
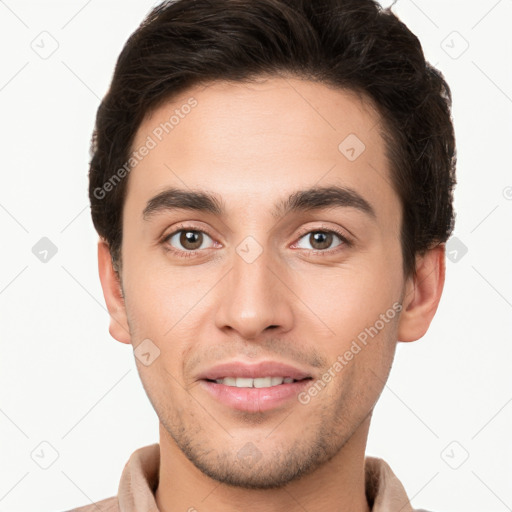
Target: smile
(258,382)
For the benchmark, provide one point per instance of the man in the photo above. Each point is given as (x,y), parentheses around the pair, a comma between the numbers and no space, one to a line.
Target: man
(272,184)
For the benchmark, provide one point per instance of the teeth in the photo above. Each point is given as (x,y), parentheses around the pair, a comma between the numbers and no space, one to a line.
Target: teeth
(259,382)
(263,382)
(242,382)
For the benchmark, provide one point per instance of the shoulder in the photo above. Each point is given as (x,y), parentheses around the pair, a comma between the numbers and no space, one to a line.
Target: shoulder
(106,505)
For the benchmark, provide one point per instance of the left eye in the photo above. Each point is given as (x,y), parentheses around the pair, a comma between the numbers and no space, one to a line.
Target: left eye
(189,239)
(320,239)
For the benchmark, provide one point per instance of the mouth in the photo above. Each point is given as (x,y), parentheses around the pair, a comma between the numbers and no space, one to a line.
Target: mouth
(254,388)
(258,382)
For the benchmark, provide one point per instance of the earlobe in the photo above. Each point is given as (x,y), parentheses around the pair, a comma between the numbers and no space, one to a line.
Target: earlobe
(113,294)
(422,294)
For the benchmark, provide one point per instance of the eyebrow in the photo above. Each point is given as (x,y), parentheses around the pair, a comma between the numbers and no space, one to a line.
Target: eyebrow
(310,199)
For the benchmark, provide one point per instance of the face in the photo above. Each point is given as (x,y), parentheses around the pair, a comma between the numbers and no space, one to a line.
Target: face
(287,266)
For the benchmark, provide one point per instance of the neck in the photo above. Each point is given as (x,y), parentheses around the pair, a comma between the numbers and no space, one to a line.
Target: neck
(338,484)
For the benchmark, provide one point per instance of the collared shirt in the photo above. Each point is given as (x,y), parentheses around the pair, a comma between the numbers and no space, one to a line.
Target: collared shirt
(139,481)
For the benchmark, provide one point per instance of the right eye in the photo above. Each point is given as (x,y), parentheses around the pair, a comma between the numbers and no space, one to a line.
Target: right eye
(189,239)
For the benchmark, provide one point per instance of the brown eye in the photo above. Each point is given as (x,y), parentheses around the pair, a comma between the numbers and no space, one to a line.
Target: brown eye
(320,240)
(191,240)
(188,239)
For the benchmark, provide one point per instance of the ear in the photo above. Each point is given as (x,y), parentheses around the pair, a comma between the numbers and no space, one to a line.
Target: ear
(113,294)
(422,294)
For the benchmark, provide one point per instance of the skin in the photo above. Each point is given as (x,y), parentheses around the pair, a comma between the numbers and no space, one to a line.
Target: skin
(252,145)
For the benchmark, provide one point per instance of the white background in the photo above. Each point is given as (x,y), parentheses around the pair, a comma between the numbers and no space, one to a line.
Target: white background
(65,382)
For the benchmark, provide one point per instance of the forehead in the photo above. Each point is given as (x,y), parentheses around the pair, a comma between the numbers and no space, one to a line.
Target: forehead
(252,142)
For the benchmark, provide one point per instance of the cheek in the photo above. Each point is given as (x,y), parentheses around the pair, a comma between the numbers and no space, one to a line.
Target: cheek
(360,306)
(160,382)
(347,298)
(360,367)
(159,297)
(168,307)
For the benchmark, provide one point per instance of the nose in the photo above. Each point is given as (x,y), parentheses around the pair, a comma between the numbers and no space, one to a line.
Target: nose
(254,298)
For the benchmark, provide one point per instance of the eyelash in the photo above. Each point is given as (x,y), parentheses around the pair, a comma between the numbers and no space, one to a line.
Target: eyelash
(189,254)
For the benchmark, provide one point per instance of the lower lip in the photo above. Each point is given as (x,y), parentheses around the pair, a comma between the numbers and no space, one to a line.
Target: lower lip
(255,399)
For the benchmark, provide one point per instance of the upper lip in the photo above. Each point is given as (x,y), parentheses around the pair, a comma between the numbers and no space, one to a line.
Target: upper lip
(254,371)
